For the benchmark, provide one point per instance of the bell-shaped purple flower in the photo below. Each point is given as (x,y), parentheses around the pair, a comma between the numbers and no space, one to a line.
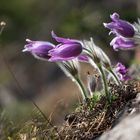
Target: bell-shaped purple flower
(120,27)
(122,71)
(122,43)
(39,49)
(67,49)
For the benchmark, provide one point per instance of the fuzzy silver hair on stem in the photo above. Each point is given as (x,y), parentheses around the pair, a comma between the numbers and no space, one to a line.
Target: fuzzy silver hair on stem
(95,57)
(71,69)
(98,56)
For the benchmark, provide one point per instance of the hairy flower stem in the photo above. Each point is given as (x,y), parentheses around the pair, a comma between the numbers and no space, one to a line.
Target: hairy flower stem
(70,68)
(99,66)
(108,96)
(81,87)
(115,76)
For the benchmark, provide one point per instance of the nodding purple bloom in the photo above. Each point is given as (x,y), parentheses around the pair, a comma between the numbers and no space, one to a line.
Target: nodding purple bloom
(121,27)
(67,49)
(39,49)
(122,43)
(122,72)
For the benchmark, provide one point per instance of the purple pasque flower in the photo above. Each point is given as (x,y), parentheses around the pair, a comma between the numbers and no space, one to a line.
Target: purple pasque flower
(120,27)
(122,71)
(39,49)
(122,43)
(67,49)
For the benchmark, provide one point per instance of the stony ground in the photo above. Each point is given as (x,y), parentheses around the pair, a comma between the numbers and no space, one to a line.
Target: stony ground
(90,121)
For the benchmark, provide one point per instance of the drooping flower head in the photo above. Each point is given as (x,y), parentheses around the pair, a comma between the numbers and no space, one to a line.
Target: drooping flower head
(39,49)
(122,71)
(67,49)
(120,27)
(120,43)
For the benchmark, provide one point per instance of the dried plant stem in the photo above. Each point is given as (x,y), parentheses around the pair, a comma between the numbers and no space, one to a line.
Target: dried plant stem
(2,24)
(101,120)
(22,92)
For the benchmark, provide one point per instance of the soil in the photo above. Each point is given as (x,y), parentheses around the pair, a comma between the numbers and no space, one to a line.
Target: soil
(89,122)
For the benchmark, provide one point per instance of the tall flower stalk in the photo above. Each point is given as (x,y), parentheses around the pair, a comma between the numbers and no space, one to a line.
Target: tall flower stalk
(99,56)
(108,95)
(71,69)
(94,53)
(81,87)
(105,61)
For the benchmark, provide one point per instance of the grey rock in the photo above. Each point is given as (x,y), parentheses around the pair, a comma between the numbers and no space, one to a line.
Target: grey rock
(127,129)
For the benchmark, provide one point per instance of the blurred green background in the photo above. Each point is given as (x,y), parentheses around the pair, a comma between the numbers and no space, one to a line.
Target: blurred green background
(22,77)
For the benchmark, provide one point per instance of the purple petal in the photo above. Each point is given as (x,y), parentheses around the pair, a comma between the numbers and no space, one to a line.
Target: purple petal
(125,28)
(83,58)
(66,51)
(122,71)
(63,40)
(59,59)
(121,68)
(38,48)
(115,16)
(120,27)
(122,43)
(111,25)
